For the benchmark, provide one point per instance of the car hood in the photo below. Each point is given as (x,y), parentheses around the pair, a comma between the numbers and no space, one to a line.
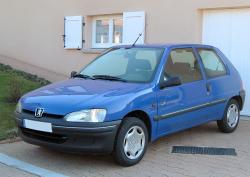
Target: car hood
(76,94)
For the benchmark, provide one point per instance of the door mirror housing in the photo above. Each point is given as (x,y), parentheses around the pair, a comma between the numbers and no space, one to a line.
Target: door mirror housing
(72,74)
(173,81)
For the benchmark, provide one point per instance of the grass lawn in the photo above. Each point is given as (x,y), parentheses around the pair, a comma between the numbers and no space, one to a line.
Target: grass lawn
(7,123)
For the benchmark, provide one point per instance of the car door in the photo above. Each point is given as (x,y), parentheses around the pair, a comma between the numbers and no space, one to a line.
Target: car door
(185,105)
(217,77)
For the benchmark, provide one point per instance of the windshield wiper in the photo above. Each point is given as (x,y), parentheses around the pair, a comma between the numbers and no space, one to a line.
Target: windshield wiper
(83,76)
(108,77)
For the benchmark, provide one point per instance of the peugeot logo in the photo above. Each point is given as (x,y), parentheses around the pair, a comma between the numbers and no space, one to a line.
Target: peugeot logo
(39,112)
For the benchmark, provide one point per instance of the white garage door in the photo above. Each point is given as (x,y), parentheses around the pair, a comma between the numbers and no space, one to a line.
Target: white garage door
(229,30)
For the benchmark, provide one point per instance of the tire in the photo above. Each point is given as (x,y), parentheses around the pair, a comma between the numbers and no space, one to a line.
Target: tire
(225,125)
(131,127)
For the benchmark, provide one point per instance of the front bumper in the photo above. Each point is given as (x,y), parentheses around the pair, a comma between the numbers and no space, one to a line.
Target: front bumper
(71,136)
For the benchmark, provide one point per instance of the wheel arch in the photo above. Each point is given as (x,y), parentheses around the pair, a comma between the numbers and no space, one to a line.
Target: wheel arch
(142,115)
(239,100)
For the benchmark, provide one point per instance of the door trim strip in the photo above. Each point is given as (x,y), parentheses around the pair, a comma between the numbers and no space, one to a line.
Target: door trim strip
(194,108)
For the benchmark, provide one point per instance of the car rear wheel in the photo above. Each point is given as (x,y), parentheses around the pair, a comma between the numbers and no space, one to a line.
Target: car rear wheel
(131,142)
(231,117)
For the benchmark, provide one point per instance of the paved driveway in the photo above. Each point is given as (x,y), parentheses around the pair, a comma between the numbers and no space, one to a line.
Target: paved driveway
(158,160)
(11,172)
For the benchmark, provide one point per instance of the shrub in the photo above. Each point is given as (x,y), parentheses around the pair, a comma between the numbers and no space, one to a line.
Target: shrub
(5,67)
(15,90)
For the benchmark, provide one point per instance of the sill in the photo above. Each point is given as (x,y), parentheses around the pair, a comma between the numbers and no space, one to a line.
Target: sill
(92,51)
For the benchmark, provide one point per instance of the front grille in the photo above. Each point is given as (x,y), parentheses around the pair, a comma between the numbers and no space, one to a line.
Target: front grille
(43,136)
(53,116)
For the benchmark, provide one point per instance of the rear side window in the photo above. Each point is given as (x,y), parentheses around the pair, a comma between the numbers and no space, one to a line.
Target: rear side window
(213,65)
(183,64)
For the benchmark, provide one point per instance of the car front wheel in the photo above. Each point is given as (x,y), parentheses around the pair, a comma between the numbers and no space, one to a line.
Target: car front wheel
(231,117)
(131,142)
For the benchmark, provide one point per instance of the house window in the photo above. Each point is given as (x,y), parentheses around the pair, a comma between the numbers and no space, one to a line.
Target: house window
(107,31)
(117,31)
(102,31)
(111,30)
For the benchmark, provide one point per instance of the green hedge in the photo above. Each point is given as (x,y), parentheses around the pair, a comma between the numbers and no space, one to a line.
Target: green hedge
(28,76)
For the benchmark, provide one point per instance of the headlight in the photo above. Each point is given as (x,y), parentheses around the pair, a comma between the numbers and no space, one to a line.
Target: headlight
(19,107)
(91,115)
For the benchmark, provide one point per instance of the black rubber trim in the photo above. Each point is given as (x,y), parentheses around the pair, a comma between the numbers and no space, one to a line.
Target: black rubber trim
(203,150)
(243,96)
(98,129)
(194,108)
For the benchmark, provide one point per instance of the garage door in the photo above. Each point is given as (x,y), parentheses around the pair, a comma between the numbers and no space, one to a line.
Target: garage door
(229,30)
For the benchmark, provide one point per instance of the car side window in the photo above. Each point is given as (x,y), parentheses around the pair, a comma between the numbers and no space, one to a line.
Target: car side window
(213,65)
(182,63)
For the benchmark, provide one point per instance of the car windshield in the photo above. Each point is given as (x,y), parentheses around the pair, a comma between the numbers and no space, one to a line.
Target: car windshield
(125,64)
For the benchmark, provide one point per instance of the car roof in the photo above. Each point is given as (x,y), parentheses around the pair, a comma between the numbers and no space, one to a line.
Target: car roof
(164,46)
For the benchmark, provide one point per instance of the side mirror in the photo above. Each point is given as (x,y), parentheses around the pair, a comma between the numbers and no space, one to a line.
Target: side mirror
(173,81)
(72,74)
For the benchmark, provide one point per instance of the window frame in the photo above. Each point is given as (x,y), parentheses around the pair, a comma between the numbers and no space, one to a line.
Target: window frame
(195,56)
(218,56)
(110,18)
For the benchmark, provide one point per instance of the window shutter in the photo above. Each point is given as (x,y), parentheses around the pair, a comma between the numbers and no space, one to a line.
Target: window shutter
(73,32)
(133,25)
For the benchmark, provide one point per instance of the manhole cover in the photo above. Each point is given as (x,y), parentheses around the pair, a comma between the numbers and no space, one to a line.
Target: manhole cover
(203,150)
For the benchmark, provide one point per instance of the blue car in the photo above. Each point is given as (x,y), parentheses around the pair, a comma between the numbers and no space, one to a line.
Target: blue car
(130,96)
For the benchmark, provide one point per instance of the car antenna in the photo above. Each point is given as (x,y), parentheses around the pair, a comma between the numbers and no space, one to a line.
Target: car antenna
(140,34)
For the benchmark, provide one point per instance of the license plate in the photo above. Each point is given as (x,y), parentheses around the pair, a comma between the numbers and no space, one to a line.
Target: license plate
(39,126)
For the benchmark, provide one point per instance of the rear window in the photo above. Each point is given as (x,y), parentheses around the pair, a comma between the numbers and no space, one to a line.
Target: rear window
(214,67)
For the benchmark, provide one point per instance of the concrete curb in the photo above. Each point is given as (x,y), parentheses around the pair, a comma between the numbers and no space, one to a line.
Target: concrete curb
(21,165)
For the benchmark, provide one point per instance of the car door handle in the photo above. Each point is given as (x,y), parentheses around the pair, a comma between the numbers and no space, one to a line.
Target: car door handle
(209,88)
